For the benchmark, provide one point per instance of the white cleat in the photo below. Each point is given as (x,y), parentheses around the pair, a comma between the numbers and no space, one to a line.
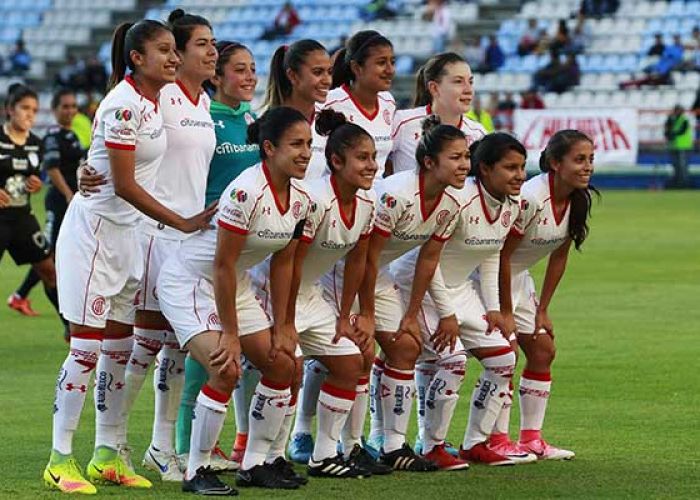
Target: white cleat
(221,463)
(514,452)
(164,463)
(545,451)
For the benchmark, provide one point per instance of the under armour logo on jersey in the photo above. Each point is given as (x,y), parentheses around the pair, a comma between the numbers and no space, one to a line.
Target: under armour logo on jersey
(333,223)
(174,100)
(219,123)
(266,211)
(351,118)
(416,136)
(473,219)
(542,221)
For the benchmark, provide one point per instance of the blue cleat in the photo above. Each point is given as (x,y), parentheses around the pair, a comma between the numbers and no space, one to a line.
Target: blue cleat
(300,448)
(373,446)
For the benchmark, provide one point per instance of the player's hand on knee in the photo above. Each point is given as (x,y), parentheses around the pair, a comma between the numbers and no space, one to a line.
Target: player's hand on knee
(227,355)
(32,184)
(446,334)
(284,341)
(343,328)
(89,181)
(494,321)
(543,325)
(509,328)
(4,199)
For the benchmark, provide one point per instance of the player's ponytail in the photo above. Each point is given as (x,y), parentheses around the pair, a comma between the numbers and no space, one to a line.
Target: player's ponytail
(128,37)
(271,126)
(356,49)
(435,137)
(491,149)
(580,199)
(433,70)
(287,57)
(342,135)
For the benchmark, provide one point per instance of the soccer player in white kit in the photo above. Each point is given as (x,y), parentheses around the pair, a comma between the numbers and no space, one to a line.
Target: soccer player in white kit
(444,87)
(488,209)
(556,206)
(98,257)
(415,209)
(207,296)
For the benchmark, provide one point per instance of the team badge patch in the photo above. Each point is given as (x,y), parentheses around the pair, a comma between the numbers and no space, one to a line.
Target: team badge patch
(239,195)
(442,216)
(505,218)
(296,209)
(388,200)
(98,305)
(387,116)
(123,115)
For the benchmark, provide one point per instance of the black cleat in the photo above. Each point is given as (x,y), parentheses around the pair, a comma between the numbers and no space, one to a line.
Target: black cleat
(405,459)
(206,482)
(285,469)
(336,467)
(264,476)
(362,459)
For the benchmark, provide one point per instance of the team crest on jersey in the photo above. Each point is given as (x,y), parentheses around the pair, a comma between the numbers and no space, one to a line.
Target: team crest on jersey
(296,209)
(248,118)
(506,218)
(387,117)
(442,216)
(388,200)
(313,206)
(239,195)
(98,305)
(123,115)
(213,320)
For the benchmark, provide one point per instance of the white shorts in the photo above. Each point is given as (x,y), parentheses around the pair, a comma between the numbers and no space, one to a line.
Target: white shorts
(470,312)
(98,269)
(524,303)
(388,304)
(187,302)
(155,250)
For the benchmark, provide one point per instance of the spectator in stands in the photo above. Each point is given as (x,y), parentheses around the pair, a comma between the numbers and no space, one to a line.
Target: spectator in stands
(562,39)
(503,118)
(691,57)
(543,42)
(377,9)
(286,20)
(473,52)
(529,39)
(95,75)
(660,72)
(545,77)
(66,76)
(679,135)
(438,11)
(531,100)
(599,8)
(494,56)
(481,115)
(658,47)
(581,37)
(20,59)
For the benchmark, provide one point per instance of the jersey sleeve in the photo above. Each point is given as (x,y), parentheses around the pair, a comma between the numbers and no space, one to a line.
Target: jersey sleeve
(52,152)
(236,210)
(121,124)
(446,224)
(389,209)
(370,212)
(313,221)
(528,210)
(488,272)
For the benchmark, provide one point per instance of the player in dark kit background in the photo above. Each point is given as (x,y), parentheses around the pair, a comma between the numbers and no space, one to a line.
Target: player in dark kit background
(20,159)
(62,154)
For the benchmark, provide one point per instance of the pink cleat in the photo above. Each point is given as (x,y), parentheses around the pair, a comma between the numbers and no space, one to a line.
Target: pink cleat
(502,445)
(545,451)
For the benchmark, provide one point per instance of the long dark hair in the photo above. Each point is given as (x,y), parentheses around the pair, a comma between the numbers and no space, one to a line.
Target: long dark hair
(183,24)
(279,87)
(491,149)
(435,137)
(15,93)
(432,71)
(59,94)
(342,134)
(272,125)
(226,50)
(356,49)
(128,37)
(559,146)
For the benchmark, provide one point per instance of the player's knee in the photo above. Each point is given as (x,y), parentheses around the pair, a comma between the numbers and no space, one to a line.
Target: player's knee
(46,272)
(542,356)
(224,381)
(282,369)
(368,357)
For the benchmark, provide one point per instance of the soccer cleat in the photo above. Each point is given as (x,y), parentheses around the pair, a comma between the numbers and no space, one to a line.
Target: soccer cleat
(440,457)
(109,467)
(286,470)
(336,467)
(264,476)
(545,451)
(220,462)
(449,448)
(165,464)
(374,446)
(239,445)
(63,473)
(405,459)
(300,448)
(22,306)
(205,482)
(480,453)
(513,451)
(364,460)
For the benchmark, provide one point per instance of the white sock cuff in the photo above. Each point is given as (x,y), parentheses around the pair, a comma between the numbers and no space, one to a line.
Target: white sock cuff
(536,381)
(213,399)
(362,386)
(120,347)
(154,334)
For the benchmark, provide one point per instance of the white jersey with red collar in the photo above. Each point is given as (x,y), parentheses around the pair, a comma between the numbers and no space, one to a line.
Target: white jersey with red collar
(182,177)
(542,230)
(403,218)
(125,120)
(328,231)
(377,125)
(249,206)
(407,131)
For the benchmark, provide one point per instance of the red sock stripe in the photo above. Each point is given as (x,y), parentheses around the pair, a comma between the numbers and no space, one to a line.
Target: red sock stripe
(209,392)
(379,362)
(293,400)
(337,392)
(96,335)
(500,352)
(363,381)
(542,377)
(388,372)
(278,386)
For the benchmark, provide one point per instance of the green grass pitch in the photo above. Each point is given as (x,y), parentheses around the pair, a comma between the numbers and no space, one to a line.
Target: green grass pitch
(625,393)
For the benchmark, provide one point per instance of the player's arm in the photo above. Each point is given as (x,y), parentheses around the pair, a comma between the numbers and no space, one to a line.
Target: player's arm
(388,167)
(52,164)
(59,182)
(376,244)
(362,332)
(302,249)
(552,276)
(505,293)
(123,164)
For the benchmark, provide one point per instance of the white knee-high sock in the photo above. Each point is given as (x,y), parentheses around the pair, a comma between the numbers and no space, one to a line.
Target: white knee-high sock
(209,417)
(147,344)
(267,411)
(489,395)
(376,423)
(441,399)
(243,393)
(355,423)
(314,375)
(71,388)
(334,406)
(280,443)
(398,388)
(109,390)
(534,395)
(168,380)
(501,427)
(425,371)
